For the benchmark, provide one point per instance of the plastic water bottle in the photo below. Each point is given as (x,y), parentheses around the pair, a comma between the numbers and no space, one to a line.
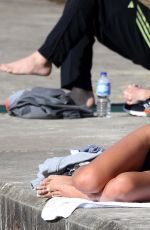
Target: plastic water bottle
(103,91)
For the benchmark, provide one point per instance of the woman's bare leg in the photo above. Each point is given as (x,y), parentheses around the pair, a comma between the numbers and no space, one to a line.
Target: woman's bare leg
(128,187)
(104,177)
(134,93)
(35,64)
(126,155)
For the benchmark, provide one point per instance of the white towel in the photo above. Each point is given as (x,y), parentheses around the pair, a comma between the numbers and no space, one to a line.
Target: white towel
(63,207)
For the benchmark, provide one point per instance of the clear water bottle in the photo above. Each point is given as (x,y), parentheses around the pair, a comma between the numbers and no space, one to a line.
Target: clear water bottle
(103,91)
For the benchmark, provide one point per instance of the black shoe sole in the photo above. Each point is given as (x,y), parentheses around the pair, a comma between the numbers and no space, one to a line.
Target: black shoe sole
(135,113)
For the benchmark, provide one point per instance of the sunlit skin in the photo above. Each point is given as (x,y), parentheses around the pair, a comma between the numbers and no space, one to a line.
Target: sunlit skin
(34,64)
(134,93)
(113,176)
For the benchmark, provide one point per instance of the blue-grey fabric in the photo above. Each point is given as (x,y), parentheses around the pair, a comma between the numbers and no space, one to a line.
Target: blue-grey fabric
(58,165)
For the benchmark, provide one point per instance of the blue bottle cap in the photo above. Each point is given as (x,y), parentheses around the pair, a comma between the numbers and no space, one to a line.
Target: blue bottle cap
(103,73)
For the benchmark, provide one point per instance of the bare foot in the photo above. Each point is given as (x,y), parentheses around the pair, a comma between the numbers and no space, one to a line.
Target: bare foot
(134,93)
(61,186)
(34,64)
(82,97)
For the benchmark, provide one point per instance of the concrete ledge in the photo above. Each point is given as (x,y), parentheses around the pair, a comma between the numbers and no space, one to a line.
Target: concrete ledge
(20,209)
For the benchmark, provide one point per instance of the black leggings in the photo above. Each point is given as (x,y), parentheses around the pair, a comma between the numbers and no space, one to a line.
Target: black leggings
(116,24)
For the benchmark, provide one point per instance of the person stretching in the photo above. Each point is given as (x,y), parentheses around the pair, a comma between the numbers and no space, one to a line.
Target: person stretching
(121,25)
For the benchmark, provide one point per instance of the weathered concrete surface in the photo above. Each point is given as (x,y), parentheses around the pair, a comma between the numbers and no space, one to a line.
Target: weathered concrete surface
(24,144)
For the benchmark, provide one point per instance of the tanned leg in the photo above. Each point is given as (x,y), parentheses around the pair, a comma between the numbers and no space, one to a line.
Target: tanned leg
(97,180)
(126,155)
(128,187)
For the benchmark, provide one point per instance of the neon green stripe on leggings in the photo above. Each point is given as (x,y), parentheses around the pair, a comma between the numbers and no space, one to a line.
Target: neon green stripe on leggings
(143,26)
(143,33)
(147,33)
(143,18)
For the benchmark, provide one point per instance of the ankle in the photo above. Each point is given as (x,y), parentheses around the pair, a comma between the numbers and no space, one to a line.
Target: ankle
(40,59)
(82,97)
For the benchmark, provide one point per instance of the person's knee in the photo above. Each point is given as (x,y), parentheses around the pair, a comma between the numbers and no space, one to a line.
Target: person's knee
(85,179)
(119,189)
